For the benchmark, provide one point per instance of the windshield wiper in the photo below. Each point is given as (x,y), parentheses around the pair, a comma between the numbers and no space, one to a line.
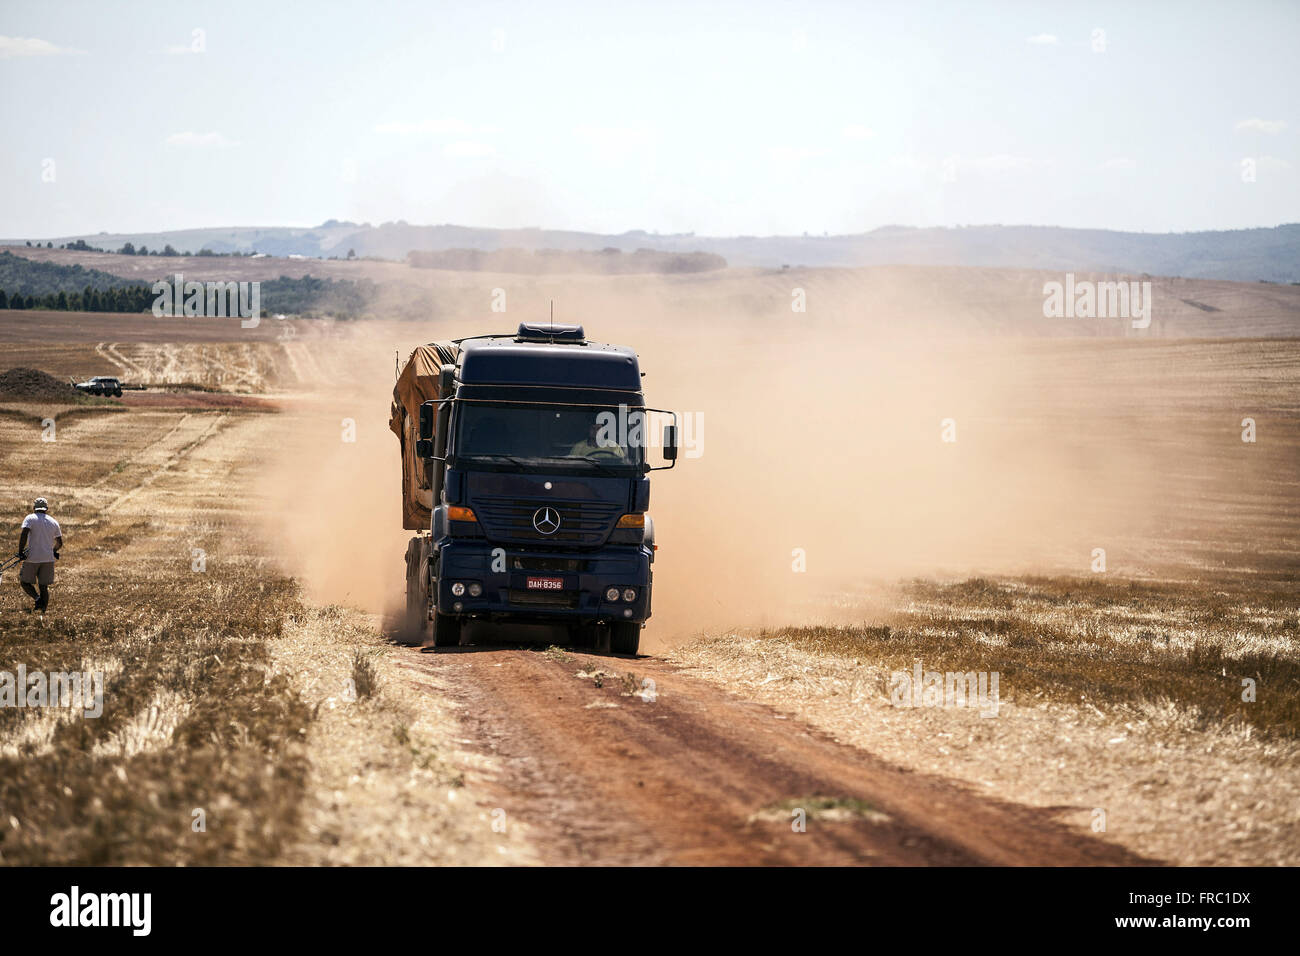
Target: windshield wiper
(501,459)
(602,466)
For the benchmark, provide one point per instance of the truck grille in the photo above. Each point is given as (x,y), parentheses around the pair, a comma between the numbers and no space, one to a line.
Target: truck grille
(560,599)
(532,562)
(581,523)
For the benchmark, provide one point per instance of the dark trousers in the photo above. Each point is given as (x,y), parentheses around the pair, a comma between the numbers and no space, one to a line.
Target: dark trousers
(42,598)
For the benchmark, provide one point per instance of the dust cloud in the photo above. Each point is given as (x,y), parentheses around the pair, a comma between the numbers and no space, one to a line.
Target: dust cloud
(820,460)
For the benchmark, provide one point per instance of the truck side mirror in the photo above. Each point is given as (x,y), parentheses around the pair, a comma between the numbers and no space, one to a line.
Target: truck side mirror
(446,380)
(424,448)
(670,442)
(426,421)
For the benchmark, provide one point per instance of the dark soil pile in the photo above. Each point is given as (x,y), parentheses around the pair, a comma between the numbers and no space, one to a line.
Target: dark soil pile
(33,385)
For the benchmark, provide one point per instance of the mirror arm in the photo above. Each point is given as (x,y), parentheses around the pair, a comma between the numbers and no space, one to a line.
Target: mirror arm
(673,460)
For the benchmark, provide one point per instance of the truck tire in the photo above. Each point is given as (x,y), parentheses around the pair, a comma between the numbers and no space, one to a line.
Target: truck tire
(624,638)
(446,631)
(587,637)
(415,623)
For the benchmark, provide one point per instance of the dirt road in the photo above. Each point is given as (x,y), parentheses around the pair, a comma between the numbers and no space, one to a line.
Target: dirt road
(615,770)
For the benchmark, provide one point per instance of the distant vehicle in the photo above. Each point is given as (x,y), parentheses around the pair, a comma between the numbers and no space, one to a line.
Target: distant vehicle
(106,386)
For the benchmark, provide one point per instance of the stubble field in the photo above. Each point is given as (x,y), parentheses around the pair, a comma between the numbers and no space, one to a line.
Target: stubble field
(228,569)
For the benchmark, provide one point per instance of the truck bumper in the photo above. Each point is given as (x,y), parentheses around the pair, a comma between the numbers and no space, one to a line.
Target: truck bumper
(585,577)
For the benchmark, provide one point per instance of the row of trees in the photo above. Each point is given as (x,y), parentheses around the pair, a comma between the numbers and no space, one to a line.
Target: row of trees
(118,299)
(130,249)
(81,245)
(306,296)
(310,296)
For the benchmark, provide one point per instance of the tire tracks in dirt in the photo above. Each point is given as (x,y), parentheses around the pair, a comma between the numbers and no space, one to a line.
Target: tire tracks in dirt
(698,776)
(210,428)
(128,369)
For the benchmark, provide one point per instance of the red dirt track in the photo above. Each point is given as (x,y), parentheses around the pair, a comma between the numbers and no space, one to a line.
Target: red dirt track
(678,780)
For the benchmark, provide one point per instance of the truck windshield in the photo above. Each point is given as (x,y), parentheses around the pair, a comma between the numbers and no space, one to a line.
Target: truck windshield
(587,438)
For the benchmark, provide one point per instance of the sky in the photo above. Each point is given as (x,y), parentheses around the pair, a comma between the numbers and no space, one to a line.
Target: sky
(751,118)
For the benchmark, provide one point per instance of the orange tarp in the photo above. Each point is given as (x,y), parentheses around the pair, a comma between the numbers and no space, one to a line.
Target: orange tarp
(417,383)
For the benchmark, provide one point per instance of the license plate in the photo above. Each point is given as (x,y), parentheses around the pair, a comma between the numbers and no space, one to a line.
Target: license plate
(545,584)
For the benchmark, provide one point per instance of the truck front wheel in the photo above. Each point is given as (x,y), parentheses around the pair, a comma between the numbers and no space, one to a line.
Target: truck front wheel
(624,637)
(446,631)
(590,637)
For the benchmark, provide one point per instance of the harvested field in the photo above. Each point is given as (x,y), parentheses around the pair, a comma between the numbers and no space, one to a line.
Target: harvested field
(268,464)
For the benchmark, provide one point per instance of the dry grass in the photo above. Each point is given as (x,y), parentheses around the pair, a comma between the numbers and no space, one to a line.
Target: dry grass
(1118,644)
(286,727)
(826,809)
(1114,696)
(192,720)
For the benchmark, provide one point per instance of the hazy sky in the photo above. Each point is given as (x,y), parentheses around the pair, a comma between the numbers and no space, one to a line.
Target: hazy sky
(717,118)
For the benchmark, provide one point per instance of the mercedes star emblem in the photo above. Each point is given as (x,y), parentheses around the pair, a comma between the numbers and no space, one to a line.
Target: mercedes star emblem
(546,520)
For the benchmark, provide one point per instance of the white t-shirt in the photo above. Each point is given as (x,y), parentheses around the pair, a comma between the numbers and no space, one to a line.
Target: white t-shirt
(42,530)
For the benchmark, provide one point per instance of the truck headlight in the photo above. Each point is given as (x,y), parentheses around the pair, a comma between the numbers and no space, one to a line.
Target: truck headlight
(475,589)
(629,595)
(458,588)
(611,594)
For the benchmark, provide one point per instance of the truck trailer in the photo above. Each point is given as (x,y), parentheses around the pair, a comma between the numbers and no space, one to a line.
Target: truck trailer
(525,470)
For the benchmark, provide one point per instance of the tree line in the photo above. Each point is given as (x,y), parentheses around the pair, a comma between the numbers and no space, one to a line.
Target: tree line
(116,299)
(307,296)
(131,249)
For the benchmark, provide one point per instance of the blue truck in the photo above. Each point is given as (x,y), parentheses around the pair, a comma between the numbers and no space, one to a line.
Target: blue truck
(526,462)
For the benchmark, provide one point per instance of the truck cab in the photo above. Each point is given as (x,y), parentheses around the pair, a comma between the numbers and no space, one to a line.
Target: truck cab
(537,450)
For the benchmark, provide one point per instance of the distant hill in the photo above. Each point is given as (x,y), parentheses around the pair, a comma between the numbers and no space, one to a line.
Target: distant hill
(604,262)
(1248,255)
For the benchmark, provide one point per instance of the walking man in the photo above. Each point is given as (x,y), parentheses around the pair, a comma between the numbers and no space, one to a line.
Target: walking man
(38,546)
